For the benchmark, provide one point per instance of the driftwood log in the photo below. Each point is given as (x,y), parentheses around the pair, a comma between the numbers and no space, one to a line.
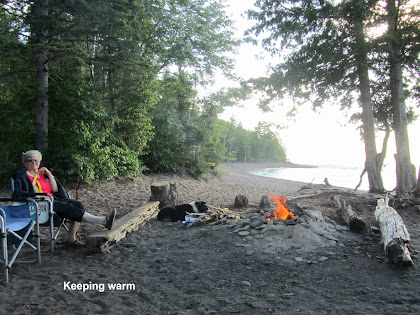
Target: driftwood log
(165,193)
(355,223)
(102,241)
(395,236)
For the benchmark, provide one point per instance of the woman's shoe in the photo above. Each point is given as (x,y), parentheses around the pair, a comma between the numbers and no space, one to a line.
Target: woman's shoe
(76,243)
(110,219)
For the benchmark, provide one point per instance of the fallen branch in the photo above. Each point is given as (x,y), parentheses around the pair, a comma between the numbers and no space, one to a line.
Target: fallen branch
(214,214)
(395,236)
(217,209)
(355,224)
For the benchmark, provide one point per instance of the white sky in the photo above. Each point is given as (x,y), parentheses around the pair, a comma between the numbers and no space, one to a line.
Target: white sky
(314,138)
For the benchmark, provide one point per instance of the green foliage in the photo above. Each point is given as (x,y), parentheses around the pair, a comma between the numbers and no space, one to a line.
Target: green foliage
(322,54)
(16,96)
(242,145)
(105,60)
(189,137)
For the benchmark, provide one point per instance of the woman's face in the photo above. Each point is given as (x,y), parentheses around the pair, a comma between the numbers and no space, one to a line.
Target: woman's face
(32,163)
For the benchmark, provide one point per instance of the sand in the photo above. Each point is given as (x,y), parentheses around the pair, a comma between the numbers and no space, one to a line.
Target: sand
(170,268)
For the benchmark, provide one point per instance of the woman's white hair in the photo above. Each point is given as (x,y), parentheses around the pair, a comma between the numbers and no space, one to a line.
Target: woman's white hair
(31,153)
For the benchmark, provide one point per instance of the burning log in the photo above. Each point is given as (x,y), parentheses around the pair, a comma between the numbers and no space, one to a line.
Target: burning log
(294,208)
(355,224)
(286,209)
(395,236)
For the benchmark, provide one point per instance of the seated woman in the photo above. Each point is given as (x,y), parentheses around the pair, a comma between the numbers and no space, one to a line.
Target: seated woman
(32,179)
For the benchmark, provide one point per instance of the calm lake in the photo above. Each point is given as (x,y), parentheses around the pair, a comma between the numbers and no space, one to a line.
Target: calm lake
(338,175)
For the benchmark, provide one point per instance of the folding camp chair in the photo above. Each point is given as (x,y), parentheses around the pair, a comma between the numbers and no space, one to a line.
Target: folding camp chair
(47,216)
(15,219)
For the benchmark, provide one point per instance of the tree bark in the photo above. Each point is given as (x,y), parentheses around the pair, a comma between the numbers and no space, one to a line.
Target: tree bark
(406,178)
(39,29)
(417,191)
(374,172)
(379,158)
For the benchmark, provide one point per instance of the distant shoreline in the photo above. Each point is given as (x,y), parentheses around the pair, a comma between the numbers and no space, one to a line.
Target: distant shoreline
(256,166)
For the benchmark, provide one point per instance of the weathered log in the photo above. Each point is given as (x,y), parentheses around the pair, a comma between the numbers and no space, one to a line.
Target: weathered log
(241,201)
(353,221)
(101,242)
(165,193)
(395,236)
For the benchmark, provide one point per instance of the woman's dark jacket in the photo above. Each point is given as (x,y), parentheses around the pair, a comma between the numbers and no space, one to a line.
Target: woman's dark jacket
(23,186)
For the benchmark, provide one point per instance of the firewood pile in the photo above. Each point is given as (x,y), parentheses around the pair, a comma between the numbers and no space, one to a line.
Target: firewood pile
(214,215)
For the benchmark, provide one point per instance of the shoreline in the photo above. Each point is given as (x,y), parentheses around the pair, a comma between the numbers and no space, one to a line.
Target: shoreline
(256,166)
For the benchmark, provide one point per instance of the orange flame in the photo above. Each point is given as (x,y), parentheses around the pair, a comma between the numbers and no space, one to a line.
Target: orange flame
(282,212)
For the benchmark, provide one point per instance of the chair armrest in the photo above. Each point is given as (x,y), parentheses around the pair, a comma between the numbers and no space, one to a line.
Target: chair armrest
(14,199)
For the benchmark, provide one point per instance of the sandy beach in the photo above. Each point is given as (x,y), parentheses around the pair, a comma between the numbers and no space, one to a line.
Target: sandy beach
(170,268)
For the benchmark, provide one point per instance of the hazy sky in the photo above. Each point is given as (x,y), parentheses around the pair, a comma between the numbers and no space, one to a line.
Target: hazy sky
(313,138)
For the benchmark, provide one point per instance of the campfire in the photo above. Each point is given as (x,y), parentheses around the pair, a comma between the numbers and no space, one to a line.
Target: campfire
(282,212)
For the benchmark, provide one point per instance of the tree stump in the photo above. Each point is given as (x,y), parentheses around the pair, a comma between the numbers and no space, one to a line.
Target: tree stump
(395,236)
(241,201)
(165,193)
(265,202)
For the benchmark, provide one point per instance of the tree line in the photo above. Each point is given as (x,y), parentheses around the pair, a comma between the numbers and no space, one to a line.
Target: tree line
(110,87)
(106,88)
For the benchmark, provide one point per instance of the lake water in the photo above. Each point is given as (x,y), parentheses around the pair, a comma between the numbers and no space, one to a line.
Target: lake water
(338,175)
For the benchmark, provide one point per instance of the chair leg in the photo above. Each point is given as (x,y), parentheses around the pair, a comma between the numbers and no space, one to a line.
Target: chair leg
(17,251)
(4,255)
(38,241)
(52,238)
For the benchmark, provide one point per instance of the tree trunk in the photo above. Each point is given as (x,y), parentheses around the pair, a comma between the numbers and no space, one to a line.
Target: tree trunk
(379,158)
(406,178)
(417,192)
(40,31)
(374,173)
(90,50)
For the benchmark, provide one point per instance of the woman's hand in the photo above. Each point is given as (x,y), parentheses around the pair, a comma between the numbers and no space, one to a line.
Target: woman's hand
(50,178)
(44,171)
